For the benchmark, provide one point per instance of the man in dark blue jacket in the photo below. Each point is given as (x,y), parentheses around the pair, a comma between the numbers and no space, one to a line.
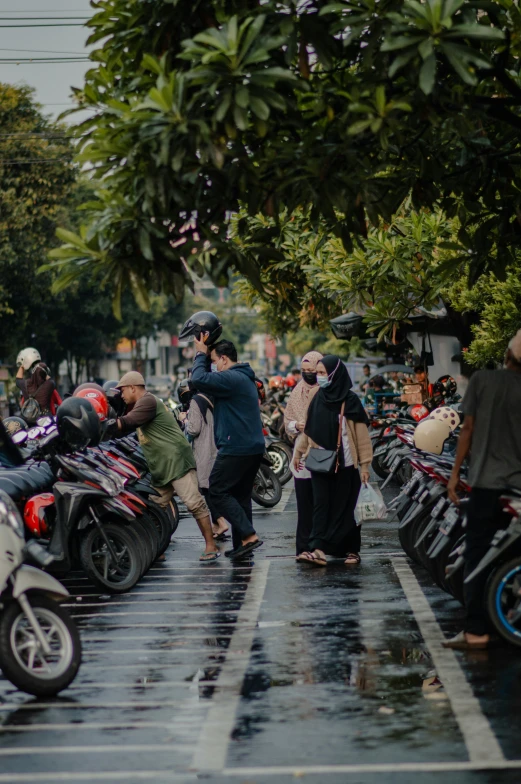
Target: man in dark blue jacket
(238,437)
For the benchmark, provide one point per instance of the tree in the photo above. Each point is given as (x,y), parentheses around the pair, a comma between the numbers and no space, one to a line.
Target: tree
(340,109)
(36,180)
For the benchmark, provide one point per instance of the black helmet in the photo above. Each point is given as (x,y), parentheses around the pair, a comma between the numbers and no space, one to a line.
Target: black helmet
(185,390)
(78,423)
(449,385)
(201,322)
(114,397)
(13,424)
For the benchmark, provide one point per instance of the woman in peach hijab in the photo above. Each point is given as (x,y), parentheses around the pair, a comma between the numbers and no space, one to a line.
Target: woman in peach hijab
(295,417)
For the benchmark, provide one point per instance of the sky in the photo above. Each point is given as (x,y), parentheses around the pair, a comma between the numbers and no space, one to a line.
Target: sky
(52,81)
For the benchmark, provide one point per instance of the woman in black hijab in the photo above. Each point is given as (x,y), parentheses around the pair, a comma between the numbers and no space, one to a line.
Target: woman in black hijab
(335,494)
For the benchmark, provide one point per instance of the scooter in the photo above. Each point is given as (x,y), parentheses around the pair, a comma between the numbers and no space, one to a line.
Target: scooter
(40,648)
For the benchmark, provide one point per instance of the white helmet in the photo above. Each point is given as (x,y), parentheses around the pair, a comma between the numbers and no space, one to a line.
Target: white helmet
(430,435)
(27,357)
(446,414)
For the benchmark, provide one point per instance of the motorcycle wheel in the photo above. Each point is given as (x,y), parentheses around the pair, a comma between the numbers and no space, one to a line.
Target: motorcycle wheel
(161,520)
(281,457)
(98,564)
(503,602)
(22,662)
(147,539)
(376,465)
(267,490)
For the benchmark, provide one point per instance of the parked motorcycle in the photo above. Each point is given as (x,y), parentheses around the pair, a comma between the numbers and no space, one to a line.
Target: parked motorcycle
(40,648)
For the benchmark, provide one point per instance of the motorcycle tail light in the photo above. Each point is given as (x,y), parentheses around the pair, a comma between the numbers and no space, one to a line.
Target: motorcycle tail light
(387,431)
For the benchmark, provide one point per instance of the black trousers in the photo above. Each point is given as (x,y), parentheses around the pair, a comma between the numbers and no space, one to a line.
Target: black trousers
(484,518)
(231,483)
(304,494)
(335,531)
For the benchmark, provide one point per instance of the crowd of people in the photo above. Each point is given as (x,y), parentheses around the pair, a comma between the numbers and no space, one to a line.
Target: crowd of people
(210,455)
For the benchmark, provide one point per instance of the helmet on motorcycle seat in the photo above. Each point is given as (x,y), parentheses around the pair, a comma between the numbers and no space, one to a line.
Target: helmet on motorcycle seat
(417,411)
(276,382)
(447,385)
(446,414)
(261,389)
(13,424)
(108,386)
(199,323)
(95,395)
(431,435)
(290,382)
(185,391)
(27,357)
(78,423)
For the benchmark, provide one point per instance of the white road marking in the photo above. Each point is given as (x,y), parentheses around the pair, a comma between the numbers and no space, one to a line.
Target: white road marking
(79,605)
(481,743)
(212,747)
(147,684)
(390,767)
(141,775)
(156,649)
(153,612)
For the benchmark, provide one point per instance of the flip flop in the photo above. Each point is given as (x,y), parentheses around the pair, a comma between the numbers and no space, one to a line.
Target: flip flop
(244,549)
(209,557)
(221,537)
(311,559)
(355,559)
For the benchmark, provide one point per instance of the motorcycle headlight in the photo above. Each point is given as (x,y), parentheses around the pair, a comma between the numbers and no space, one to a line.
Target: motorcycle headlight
(9,515)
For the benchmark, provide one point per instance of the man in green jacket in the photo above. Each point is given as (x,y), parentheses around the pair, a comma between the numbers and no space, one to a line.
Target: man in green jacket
(167,452)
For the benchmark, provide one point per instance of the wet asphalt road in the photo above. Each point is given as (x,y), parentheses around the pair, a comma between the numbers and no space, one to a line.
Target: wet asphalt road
(270,671)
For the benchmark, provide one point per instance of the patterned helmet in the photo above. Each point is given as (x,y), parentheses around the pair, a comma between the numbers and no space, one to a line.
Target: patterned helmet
(448,415)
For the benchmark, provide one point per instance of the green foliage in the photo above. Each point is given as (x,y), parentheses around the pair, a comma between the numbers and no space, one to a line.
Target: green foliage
(399,268)
(338,109)
(498,303)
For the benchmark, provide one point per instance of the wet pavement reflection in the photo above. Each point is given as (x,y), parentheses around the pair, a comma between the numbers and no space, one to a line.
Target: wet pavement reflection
(338,675)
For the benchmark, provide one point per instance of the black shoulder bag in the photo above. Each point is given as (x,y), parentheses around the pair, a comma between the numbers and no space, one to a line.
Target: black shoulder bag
(326,461)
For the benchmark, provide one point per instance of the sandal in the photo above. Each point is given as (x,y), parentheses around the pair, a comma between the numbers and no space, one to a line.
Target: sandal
(209,557)
(353,559)
(312,559)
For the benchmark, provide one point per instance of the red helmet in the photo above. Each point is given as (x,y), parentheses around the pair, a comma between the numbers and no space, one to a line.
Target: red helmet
(418,411)
(34,513)
(96,396)
(261,391)
(290,382)
(276,382)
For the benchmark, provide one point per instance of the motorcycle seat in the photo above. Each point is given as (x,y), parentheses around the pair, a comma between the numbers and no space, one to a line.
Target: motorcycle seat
(25,481)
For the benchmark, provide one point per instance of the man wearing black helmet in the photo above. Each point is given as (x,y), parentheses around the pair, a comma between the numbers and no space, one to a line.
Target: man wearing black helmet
(238,436)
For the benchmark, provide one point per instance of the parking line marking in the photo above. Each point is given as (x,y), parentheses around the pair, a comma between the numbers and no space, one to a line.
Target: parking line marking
(79,605)
(154,612)
(212,747)
(481,743)
(142,775)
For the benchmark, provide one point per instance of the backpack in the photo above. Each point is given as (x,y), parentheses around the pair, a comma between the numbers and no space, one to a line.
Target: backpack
(31,410)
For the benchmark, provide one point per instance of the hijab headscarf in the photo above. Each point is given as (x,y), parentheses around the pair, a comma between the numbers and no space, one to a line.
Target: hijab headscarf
(299,400)
(322,422)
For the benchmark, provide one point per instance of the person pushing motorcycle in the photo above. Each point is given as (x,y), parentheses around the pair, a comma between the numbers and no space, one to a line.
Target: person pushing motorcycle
(491,434)
(167,452)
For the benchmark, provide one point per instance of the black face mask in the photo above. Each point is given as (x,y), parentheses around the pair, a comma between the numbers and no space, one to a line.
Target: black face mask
(309,378)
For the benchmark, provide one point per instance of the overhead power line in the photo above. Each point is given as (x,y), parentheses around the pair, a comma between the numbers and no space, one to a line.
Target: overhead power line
(44,51)
(58,24)
(11,162)
(42,18)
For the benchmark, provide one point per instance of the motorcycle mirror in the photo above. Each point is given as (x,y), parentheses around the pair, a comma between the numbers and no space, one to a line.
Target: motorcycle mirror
(20,437)
(35,432)
(44,421)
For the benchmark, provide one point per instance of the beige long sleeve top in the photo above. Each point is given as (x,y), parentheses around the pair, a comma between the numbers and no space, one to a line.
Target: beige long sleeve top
(359,445)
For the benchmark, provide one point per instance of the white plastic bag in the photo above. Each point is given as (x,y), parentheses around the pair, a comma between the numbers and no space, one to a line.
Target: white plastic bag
(370,504)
